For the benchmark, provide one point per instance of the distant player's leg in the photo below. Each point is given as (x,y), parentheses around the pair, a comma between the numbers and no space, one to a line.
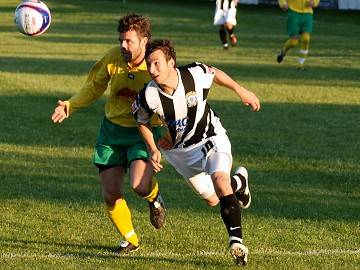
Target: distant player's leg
(307,23)
(304,50)
(223,38)
(230,18)
(118,211)
(219,20)
(293,30)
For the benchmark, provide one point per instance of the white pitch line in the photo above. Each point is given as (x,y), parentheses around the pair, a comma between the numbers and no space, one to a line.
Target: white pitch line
(321,252)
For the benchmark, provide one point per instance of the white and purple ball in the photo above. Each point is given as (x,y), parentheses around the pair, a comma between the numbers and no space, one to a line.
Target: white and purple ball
(32,17)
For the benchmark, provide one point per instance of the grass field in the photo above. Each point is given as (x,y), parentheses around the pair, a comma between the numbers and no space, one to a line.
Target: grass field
(302,150)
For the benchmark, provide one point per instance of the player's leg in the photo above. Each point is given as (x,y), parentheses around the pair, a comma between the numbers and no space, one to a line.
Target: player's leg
(203,186)
(144,184)
(293,30)
(219,20)
(143,181)
(218,165)
(307,23)
(222,36)
(240,186)
(230,18)
(118,211)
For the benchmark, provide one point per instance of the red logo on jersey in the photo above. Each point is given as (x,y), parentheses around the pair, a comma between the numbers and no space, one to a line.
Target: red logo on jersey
(127,94)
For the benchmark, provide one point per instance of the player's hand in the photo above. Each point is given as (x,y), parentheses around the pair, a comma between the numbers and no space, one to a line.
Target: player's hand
(60,112)
(155,159)
(250,99)
(311,3)
(164,143)
(285,7)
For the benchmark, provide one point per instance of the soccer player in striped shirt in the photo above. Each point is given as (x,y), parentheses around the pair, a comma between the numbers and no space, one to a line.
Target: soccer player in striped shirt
(199,142)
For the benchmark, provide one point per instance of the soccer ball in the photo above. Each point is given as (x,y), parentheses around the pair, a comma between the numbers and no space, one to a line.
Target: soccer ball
(32,17)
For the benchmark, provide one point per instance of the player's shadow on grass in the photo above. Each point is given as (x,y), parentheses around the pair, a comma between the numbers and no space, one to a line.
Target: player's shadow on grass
(91,251)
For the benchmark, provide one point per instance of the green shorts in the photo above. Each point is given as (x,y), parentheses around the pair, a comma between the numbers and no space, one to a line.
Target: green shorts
(117,145)
(298,23)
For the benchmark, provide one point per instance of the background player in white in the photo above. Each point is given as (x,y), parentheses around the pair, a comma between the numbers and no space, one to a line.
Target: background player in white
(200,144)
(225,17)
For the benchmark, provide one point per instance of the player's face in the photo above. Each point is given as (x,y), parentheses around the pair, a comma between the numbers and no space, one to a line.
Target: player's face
(132,46)
(159,68)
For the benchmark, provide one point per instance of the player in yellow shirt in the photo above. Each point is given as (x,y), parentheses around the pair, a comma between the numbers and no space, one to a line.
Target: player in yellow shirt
(299,25)
(119,145)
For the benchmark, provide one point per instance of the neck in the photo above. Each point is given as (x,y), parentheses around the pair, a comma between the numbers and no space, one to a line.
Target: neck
(171,83)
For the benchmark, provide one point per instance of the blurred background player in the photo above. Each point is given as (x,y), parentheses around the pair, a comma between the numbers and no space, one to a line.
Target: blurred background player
(200,144)
(299,26)
(119,145)
(225,17)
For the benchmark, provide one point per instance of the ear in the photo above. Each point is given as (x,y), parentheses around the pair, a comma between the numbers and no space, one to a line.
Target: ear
(172,62)
(144,41)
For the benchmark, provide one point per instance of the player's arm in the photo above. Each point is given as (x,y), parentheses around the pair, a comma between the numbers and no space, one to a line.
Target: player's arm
(94,87)
(145,131)
(314,3)
(246,96)
(283,4)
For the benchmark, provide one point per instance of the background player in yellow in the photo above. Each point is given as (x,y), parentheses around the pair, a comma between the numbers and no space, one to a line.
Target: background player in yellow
(119,146)
(299,27)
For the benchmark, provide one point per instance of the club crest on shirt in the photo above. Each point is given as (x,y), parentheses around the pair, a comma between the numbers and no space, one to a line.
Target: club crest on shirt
(191,99)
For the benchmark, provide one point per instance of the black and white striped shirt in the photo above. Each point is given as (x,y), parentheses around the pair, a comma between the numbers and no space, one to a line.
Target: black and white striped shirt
(186,112)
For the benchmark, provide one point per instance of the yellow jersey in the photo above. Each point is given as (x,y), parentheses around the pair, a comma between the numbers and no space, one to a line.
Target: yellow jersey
(123,81)
(301,6)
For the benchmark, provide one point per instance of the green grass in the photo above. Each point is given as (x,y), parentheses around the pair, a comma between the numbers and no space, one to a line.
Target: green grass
(301,150)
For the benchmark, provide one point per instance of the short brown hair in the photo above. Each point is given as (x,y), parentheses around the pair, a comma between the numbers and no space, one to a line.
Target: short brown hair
(161,44)
(133,21)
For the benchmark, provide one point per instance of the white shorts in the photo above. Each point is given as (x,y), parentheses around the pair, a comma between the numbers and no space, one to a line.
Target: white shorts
(225,14)
(197,163)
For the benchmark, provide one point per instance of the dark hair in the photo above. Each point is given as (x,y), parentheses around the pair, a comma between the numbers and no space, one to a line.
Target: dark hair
(135,22)
(161,44)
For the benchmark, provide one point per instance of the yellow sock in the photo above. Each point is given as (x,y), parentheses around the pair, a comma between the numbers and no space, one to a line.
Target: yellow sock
(121,217)
(154,192)
(290,43)
(304,48)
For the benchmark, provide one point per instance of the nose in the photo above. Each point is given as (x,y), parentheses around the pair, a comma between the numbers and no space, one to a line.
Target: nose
(151,69)
(123,44)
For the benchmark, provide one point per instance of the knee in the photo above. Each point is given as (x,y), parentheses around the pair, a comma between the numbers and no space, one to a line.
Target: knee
(212,200)
(305,37)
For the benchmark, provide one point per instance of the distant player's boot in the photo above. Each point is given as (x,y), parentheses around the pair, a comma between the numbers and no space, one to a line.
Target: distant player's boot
(301,67)
(226,46)
(233,40)
(157,212)
(243,194)
(280,57)
(125,247)
(239,253)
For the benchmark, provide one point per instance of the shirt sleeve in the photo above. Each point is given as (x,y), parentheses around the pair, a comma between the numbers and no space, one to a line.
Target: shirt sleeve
(204,75)
(140,109)
(94,87)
